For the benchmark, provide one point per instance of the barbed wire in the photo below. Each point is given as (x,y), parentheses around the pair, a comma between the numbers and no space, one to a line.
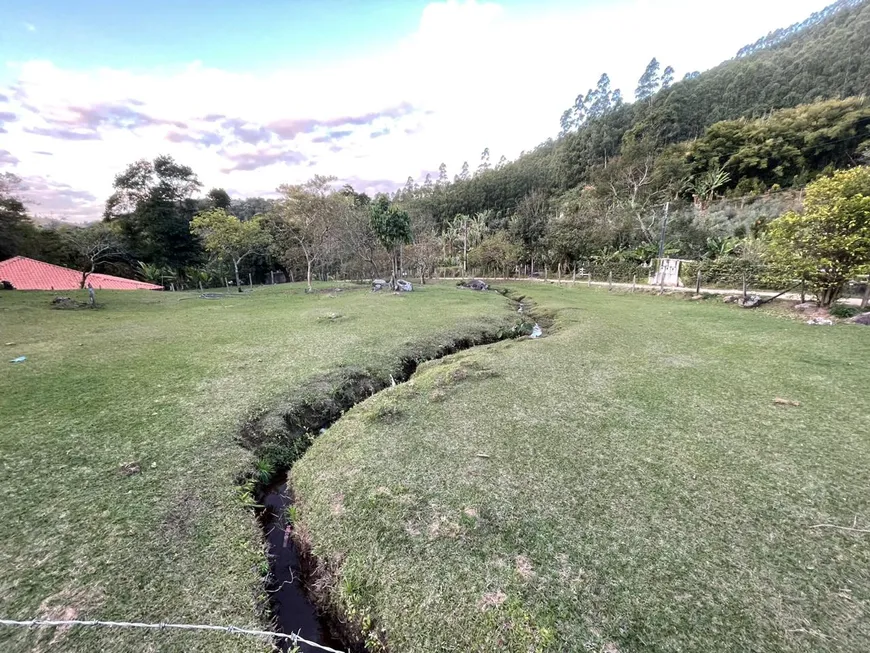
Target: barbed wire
(294,638)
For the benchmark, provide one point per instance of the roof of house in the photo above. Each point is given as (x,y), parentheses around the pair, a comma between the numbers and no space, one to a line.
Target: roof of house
(29,274)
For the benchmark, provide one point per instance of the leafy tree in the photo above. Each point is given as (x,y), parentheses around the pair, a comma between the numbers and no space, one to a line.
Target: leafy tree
(218,198)
(484,161)
(600,101)
(649,82)
(247,208)
(93,245)
(392,227)
(14,223)
(304,218)
(227,237)
(496,252)
(529,224)
(464,174)
(442,175)
(152,205)
(668,78)
(423,254)
(829,243)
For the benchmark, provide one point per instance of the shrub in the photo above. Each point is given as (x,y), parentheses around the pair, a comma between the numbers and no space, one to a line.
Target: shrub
(844,311)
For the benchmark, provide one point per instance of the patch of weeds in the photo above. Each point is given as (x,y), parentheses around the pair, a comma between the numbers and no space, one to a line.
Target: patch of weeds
(844,311)
(264,470)
(437,395)
(246,494)
(355,595)
(330,317)
(292,514)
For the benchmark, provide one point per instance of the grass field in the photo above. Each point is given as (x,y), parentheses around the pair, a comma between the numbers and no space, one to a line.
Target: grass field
(164,383)
(625,484)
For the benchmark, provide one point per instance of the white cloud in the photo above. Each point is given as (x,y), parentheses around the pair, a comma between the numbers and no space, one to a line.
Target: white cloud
(473,75)
(30,27)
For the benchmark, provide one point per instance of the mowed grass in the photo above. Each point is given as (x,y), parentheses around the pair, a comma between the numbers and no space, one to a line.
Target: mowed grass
(625,484)
(164,383)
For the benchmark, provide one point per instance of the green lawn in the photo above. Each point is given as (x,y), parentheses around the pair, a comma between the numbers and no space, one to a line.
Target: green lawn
(165,383)
(625,484)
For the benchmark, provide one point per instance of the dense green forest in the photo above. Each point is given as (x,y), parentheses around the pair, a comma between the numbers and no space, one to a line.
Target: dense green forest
(694,168)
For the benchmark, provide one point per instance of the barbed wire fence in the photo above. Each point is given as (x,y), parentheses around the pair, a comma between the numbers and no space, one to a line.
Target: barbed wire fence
(294,638)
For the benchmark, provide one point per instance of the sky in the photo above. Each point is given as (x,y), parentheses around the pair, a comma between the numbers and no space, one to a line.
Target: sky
(256,94)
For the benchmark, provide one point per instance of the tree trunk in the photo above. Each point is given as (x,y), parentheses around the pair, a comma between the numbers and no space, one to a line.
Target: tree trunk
(866,299)
(238,279)
(309,277)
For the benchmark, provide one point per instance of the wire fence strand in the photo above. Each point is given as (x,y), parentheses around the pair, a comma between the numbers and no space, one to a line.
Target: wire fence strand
(294,638)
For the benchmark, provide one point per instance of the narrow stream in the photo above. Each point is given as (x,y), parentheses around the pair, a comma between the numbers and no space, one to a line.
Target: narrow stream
(291,608)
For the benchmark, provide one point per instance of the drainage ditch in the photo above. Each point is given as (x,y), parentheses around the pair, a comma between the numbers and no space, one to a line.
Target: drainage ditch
(280,436)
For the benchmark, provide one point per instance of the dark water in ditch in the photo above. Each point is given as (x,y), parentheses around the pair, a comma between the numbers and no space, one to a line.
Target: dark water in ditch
(292,610)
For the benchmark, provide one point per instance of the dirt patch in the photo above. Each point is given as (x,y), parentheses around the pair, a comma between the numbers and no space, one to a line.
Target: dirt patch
(492,600)
(524,567)
(64,606)
(336,505)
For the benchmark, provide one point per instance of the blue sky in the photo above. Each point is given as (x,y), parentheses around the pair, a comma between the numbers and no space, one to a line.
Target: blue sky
(256,94)
(229,34)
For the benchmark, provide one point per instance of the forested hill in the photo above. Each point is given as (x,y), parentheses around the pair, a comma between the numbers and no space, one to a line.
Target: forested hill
(824,57)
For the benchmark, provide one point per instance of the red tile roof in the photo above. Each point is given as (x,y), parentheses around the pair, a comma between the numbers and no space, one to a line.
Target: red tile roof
(28,274)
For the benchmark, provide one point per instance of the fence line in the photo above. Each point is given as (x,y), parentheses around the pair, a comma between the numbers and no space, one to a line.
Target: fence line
(293,637)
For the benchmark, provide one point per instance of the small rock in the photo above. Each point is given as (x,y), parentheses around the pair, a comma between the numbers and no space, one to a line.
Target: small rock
(695,298)
(404,286)
(128,469)
(862,319)
(820,321)
(379,284)
(729,299)
(10,344)
(750,302)
(153,465)
(474,284)
(806,306)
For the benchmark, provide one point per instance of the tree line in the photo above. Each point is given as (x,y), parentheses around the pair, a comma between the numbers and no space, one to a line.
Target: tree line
(623,182)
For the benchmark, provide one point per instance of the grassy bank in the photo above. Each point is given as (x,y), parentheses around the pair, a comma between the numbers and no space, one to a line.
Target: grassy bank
(162,384)
(626,484)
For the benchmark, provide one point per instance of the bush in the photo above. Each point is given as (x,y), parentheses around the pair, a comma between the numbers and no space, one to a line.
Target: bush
(622,272)
(728,273)
(844,311)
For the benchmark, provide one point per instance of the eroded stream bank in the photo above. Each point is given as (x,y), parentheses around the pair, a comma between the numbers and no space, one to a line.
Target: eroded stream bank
(280,436)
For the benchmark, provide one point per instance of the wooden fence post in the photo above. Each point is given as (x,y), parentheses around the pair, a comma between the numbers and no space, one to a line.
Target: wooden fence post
(698,283)
(866,299)
(272,272)
(633,283)
(744,286)
(250,280)
(574,276)
(610,280)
